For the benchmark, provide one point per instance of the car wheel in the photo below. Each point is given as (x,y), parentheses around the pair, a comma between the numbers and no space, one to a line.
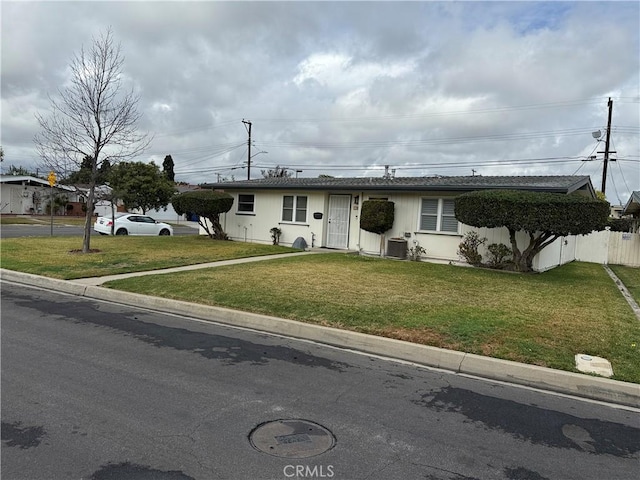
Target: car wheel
(164,231)
(122,231)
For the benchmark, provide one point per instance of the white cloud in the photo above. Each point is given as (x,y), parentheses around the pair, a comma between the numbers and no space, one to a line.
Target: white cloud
(426,87)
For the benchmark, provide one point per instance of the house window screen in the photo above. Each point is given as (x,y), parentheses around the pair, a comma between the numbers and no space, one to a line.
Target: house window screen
(449,222)
(301,209)
(429,214)
(438,215)
(294,208)
(246,203)
(287,208)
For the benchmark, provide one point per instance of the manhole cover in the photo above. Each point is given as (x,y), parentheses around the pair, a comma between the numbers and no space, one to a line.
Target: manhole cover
(292,438)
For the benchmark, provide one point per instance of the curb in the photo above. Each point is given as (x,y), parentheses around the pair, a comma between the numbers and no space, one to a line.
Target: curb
(576,384)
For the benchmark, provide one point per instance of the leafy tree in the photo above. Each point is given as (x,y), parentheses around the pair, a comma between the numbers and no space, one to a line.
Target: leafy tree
(544,217)
(141,185)
(208,205)
(278,172)
(1,154)
(84,174)
(92,117)
(167,168)
(377,216)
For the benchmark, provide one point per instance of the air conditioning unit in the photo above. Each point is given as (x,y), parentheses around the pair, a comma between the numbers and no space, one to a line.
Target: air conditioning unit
(397,248)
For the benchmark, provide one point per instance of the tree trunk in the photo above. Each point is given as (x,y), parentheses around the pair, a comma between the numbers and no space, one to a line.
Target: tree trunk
(113,217)
(86,239)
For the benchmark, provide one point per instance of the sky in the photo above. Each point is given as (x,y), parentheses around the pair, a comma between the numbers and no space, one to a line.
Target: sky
(347,88)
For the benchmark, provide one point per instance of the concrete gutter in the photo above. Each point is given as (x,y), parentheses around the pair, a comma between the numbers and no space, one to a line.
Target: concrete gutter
(586,386)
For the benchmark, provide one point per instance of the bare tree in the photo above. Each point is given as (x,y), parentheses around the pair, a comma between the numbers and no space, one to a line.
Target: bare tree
(93,117)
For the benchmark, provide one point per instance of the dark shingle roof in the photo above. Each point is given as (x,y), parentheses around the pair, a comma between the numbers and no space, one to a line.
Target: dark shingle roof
(633,205)
(559,184)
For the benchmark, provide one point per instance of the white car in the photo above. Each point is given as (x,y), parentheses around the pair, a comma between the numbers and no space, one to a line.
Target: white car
(132,224)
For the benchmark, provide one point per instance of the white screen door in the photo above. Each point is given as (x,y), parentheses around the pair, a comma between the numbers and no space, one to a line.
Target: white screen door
(338,221)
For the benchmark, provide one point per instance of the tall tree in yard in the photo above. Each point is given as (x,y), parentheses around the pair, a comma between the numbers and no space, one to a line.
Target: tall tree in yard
(542,217)
(93,117)
(208,205)
(141,185)
(167,168)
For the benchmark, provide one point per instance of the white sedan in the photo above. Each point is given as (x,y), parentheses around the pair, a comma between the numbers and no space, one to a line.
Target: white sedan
(131,224)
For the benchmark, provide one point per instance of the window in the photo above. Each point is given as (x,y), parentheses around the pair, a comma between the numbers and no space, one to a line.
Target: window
(294,208)
(245,203)
(437,215)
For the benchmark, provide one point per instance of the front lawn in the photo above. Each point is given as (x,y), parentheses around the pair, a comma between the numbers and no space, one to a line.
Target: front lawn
(630,276)
(57,257)
(542,319)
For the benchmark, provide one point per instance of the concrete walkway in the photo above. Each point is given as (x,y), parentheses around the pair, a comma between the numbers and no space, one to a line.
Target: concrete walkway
(198,266)
(575,384)
(623,290)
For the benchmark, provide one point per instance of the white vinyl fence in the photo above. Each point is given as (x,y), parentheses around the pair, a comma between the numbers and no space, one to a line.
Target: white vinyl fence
(616,248)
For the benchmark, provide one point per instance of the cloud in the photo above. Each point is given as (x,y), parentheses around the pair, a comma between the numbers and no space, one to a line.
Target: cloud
(340,87)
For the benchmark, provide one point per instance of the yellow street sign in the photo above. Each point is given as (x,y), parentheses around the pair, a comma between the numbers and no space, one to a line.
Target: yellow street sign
(52,178)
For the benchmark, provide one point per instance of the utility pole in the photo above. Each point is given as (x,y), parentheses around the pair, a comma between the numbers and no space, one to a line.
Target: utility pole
(606,147)
(247,122)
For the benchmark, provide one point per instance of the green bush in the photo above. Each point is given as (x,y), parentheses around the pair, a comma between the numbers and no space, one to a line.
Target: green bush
(545,217)
(498,253)
(377,216)
(620,224)
(207,204)
(468,248)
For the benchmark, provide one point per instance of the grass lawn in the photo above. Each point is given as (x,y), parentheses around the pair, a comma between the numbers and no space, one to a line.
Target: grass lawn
(54,256)
(630,276)
(542,319)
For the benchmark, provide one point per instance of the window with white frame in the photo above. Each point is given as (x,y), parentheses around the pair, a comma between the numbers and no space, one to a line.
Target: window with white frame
(437,215)
(246,203)
(294,208)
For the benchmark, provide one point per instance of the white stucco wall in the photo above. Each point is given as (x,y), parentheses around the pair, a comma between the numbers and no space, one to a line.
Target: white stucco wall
(254,227)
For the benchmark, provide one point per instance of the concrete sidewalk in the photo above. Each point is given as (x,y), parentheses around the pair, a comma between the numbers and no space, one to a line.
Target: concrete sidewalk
(199,266)
(575,384)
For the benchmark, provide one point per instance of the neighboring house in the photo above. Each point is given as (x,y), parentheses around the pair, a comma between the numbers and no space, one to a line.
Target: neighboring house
(25,194)
(326,211)
(632,207)
(169,214)
(616,211)
(102,204)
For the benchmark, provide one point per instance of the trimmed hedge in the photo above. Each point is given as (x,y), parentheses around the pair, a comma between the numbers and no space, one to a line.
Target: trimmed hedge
(561,214)
(207,204)
(202,202)
(377,216)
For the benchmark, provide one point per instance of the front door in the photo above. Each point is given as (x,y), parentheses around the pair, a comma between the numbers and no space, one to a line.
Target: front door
(338,221)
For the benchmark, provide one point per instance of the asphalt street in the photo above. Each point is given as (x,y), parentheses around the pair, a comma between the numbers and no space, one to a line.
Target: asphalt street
(44,230)
(95,390)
